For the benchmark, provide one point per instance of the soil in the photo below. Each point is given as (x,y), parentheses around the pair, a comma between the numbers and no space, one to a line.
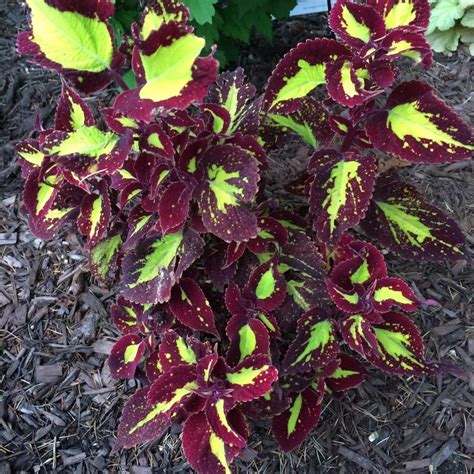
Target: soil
(59,406)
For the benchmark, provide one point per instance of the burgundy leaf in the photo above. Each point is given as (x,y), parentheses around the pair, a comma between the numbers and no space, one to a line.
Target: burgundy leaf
(217,417)
(291,427)
(206,452)
(298,73)
(126,355)
(231,182)
(174,206)
(191,307)
(401,220)
(267,286)
(140,422)
(389,292)
(341,191)
(252,378)
(349,374)
(315,344)
(355,23)
(419,127)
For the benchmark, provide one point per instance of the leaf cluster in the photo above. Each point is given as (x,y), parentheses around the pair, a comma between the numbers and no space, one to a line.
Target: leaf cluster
(232,308)
(231,23)
(451,23)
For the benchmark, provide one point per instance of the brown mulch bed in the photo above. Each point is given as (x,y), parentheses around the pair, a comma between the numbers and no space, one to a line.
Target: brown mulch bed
(59,406)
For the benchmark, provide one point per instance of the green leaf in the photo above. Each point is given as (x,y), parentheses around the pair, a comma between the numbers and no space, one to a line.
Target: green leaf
(280,9)
(70,39)
(442,41)
(130,79)
(201,11)
(468,19)
(444,15)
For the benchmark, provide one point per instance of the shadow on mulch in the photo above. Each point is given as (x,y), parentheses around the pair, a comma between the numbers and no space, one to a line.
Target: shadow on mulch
(59,407)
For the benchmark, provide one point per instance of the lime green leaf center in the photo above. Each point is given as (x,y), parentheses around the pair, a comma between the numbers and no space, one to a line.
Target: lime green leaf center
(353,27)
(320,336)
(162,253)
(246,375)
(163,407)
(401,14)
(169,68)
(295,411)
(103,253)
(407,120)
(70,39)
(89,141)
(266,285)
(247,341)
(338,187)
(304,81)
(226,194)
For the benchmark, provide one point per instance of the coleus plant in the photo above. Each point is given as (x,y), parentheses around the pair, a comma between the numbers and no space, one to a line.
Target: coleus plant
(232,308)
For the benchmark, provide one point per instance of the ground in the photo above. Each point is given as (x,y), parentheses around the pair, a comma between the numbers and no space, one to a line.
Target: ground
(59,406)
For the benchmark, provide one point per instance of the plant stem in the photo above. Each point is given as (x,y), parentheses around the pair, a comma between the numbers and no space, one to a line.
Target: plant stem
(118,80)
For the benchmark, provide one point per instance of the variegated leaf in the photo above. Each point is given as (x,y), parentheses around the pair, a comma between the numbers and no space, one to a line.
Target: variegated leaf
(270,233)
(175,350)
(94,216)
(155,140)
(406,43)
(231,182)
(419,127)
(139,223)
(315,344)
(126,316)
(103,257)
(162,11)
(141,421)
(349,374)
(171,389)
(400,348)
(126,355)
(246,338)
(49,201)
(358,334)
(217,417)
(291,427)
(87,151)
(252,378)
(153,367)
(149,269)
(190,306)
(350,82)
(306,284)
(267,286)
(72,112)
(355,23)
(402,13)
(235,95)
(402,221)
(389,292)
(74,39)
(309,121)
(205,451)
(365,265)
(298,73)
(340,192)
(350,299)
(169,70)
(30,156)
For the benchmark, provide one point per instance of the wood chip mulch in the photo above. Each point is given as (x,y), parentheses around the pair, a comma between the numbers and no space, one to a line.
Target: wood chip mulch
(59,406)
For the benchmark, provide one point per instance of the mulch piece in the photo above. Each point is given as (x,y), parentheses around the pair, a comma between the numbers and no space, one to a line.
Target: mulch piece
(59,406)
